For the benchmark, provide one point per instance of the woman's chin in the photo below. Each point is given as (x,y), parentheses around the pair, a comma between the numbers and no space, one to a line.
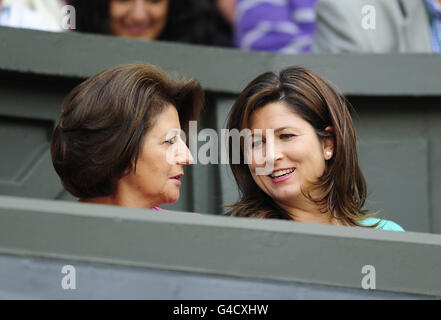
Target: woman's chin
(287,196)
(172,198)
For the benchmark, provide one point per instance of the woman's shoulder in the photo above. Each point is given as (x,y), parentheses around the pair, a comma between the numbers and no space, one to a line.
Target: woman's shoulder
(382,224)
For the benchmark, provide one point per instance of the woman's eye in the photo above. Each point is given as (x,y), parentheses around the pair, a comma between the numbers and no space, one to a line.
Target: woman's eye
(286,136)
(256,144)
(172,140)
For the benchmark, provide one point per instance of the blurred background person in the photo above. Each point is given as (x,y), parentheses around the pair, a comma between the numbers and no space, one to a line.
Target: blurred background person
(399,26)
(43,15)
(187,21)
(285,26)
(227,8)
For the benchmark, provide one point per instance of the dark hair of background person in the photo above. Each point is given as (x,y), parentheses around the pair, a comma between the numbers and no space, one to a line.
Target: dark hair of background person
(317,102)
(188,21)
(105,119)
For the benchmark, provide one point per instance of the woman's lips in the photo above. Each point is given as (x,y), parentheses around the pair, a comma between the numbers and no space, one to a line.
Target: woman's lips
(137,30)
(177,179)
(282,178)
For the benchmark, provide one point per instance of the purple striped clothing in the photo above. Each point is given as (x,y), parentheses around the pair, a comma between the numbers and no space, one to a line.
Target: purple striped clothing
(285,26)
(434,11)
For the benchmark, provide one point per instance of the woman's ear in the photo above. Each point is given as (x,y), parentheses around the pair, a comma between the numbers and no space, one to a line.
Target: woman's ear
(328,144)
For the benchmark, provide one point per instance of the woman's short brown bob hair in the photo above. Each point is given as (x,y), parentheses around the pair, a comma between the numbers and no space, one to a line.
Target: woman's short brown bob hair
(104,121)
(315,100)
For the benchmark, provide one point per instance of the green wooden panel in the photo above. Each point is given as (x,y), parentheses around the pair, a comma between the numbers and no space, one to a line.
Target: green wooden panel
(226,70)
(397,179)
(226,246)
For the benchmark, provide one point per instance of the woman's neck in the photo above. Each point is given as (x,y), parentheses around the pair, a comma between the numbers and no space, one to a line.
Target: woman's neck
(308,212)
(119,201)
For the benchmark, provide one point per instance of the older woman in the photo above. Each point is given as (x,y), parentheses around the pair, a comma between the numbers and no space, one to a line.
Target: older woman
(118,140)
(301,129)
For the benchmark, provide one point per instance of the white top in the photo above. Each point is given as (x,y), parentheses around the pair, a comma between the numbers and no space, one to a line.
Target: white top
(19,16)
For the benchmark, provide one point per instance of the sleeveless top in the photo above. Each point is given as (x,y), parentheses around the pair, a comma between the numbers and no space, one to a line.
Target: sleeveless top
(383,225)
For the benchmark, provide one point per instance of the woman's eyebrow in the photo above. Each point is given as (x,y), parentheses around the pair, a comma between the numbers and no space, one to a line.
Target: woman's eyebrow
(281,129)
(295,129)
(171,132)
(275,130)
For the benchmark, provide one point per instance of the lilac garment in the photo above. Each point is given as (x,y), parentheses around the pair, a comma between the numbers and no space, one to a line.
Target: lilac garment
(286,26)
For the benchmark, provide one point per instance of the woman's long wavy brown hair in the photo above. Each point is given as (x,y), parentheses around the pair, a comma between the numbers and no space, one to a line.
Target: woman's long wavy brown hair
(314,99)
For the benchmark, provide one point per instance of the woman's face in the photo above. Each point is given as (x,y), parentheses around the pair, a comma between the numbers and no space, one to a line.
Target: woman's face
(140,19)
(298,155)
(159,167)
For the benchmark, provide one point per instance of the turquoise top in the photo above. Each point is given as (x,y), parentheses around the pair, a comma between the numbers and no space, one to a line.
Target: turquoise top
(384,224)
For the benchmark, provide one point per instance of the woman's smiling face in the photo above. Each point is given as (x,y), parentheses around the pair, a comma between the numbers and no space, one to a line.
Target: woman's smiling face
(140,19)
(298,156)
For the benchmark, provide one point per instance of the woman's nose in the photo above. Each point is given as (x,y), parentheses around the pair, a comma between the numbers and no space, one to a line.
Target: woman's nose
(278,155)
(184,155)
(273,155)
(273,151)
(140,11)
